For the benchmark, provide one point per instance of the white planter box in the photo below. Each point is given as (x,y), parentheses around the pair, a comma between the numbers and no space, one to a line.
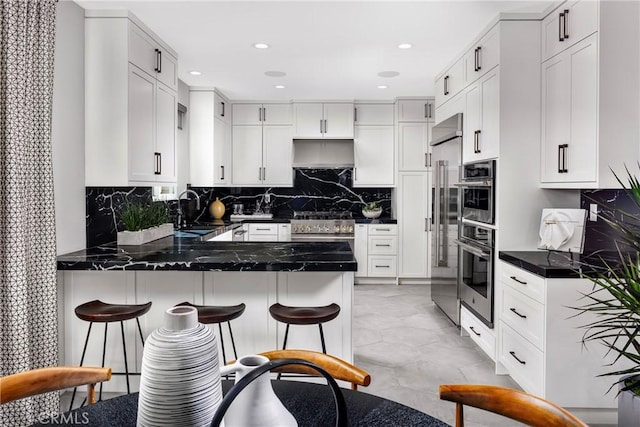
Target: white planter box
(144,236)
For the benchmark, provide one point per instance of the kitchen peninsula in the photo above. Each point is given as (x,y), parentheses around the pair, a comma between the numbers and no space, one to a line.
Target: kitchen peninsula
(171,270)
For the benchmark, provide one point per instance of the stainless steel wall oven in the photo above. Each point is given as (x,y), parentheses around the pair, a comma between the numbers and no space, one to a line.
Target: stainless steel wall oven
(476,252)
(477,191)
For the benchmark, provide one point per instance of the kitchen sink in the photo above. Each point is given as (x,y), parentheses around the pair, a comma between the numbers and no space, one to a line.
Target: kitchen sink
(196,233)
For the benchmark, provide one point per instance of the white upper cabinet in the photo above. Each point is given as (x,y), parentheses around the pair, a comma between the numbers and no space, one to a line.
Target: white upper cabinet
(323,120)
(209,139)
(416,110)
(567,25)
(413,146)
(262,114)
(481,133)
(374,156)
(130,103)
(483,56)
(373,114)
(450,83)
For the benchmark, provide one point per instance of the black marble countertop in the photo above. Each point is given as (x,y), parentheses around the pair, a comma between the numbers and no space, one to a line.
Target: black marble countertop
(172,253)
(560,264)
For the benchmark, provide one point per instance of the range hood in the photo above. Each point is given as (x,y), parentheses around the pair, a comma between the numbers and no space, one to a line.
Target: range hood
(447,130)
(323,154)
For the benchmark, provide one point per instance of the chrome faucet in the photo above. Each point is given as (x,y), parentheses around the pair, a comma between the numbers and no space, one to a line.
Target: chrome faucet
(180,213)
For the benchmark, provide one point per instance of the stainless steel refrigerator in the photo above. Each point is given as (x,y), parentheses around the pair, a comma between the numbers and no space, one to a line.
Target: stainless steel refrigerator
(446,156)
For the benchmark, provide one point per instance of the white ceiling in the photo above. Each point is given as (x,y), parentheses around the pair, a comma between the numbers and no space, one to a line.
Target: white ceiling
(329,49)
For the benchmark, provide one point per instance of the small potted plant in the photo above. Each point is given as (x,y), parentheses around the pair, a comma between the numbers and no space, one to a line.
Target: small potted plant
(615,302)
(371,210)
(144,222)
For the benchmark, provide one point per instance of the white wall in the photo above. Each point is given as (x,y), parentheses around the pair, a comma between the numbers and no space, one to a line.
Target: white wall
(67,135)
(182,140)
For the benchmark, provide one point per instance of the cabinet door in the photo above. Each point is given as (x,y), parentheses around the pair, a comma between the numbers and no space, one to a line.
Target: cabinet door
(247,155)
(483,57)
(277,156)
(373,155)
(338,121)
(277,114)
(142,50)
(360,249)
(166,112)
(202,138)
(416,110)
(413,141)
(247,114)
(449,84)
(307,121)
(167,69)
(413,208)
(142,160)
(222,109)
(567,25)
(221,152)
(555,115)
(472,122)
(482,137)
(373,114)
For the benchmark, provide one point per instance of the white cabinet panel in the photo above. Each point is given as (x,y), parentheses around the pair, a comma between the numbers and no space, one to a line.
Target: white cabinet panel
(166,101)
(277,114)
(338,121)
(484,56)
(413,146)
(318,120)
(416,110)
(567,25)
(481,136)
(247,114)
(382,266)
(374,114)
(450,83)
(360,249)
(142,158)
(277,155)
(478,332)
(523,360)
(373,155)
(413,213)
(247,155)
(221,152)
(152,58)
(307,120)
(382,245)
(262,114)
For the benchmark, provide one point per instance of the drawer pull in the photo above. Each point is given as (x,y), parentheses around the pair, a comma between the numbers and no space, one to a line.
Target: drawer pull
(513,354)
(518,280)
(383,245)
(263,229)
(383,229)
(518,314)
(474,331)
(383,266)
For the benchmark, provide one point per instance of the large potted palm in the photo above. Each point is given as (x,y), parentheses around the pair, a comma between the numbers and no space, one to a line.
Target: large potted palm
(615,304)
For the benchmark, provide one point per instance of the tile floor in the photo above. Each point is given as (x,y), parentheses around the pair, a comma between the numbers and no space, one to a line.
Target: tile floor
(409,347)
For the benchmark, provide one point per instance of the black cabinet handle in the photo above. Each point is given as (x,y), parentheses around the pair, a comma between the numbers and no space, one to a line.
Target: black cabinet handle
(383,246)
(321,126)
(474,331)
(325,125)
(355,114)
(260,114)
(430,106)
(158,165)
(476,141)
(518,280)
(221,173)
(513,354)
(264,114)
(566,24)
(562,158)
(475,59)
(383,266)
(160,62)
(222,112)
(478,65)
(518,314)
(426,114)
(446,85)
(157,67)
(560,30)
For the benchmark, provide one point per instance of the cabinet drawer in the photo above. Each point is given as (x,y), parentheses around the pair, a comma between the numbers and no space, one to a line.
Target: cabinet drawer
(263,229)
(383,229)
(382,266)
(383,245)
(478,332)
(525,315)
(523,361)
(529,284)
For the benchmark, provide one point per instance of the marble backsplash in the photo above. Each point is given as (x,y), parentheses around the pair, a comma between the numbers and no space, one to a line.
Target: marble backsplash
(313,190)
(598,234)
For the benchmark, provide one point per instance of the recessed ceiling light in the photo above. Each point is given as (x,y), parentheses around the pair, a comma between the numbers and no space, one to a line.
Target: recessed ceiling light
(388,74)
(195,73)
(405,46)
(261,45)
(275,73)
(382,87)
(279,87)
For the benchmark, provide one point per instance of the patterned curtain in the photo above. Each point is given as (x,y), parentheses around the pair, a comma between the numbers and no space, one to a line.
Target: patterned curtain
(28,303)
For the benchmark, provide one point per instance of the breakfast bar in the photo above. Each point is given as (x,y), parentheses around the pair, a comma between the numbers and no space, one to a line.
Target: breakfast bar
(172,270)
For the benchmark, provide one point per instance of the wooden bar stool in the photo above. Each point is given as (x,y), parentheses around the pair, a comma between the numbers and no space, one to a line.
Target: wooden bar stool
(97,311)
(304,316)
(211,314)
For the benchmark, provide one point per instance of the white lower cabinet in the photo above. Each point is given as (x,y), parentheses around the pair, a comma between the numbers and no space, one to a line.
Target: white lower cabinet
(539,340)
(360,249)
(269,232)
(376,250)
(479,332)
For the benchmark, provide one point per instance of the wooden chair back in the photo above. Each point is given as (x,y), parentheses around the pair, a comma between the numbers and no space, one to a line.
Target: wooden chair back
(44,380)
(515,404)
(338,368)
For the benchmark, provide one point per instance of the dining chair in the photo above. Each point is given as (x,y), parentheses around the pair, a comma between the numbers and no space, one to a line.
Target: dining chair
(44,380)
(514,404)
(337,368)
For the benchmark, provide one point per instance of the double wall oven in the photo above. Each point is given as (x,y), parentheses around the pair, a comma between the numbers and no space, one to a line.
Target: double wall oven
(476,239)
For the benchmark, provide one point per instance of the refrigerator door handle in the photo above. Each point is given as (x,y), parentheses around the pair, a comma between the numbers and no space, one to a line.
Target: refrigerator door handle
(441,214)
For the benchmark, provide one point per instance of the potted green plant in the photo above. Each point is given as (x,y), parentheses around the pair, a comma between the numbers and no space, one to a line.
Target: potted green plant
(615,304)
(144,222)
(371,210)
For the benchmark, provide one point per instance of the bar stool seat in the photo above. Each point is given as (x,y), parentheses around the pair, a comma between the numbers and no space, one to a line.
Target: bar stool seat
(212,314)
(98,311)
(304,316)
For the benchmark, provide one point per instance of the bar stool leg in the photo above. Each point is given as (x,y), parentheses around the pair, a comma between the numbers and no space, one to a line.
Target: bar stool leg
(84,350)
(140,330)
(286,335)
(104,351)
(233,343)
(324,348)
(224,353)
(126,365)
